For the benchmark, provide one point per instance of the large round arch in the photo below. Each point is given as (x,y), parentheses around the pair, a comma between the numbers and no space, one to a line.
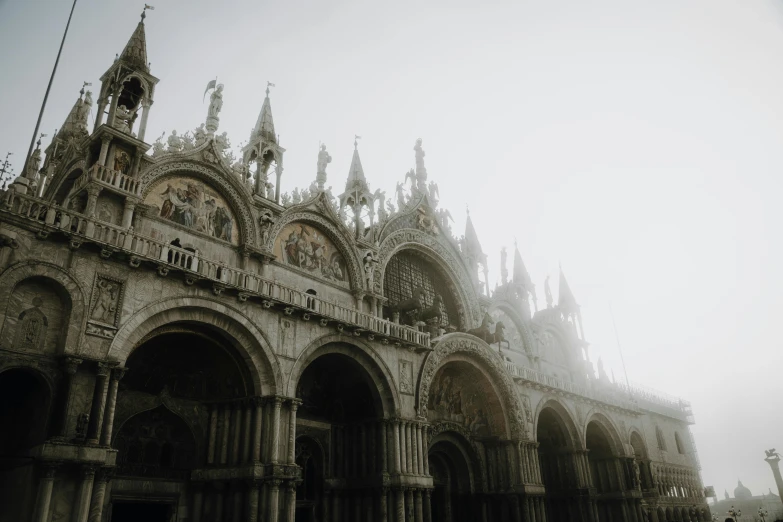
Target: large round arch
(443,257)
(607,469)
(469,349)
(456,474)
(223,182)
(362,354)
(69,288)
(235,327)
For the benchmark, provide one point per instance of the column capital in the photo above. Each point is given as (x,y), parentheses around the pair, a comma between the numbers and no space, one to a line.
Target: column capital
(103,369)
(88,470)
(275,483)
(50,467)
(291,485)
(71,364)
(105,474)
(118,373)
(294,404)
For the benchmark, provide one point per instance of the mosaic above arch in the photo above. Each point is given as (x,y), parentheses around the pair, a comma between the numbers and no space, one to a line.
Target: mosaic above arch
(191,203)
(307,248)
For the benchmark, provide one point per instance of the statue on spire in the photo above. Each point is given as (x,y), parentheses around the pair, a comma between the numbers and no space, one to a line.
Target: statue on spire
(421,171)
(503,267)
(548,293)
(323,160)
(215,105)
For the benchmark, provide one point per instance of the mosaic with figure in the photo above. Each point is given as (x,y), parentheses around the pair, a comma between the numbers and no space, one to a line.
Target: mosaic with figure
(309,249)
(461,394)
(194,205)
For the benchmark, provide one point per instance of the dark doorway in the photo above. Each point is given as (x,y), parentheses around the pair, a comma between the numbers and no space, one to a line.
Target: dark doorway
(136,511)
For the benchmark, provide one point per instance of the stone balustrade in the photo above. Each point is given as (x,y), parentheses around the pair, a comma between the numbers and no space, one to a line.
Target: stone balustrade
(81,228)
(108,177)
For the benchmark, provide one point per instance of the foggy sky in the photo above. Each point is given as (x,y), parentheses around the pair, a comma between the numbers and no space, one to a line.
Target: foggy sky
(637,143)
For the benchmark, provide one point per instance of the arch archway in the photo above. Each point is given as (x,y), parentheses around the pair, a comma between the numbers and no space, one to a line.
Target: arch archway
(557,455)
(452,464)
(607,469)
(24,410)
(343,405)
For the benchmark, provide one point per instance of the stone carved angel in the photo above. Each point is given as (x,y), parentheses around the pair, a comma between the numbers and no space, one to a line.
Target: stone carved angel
(175,142)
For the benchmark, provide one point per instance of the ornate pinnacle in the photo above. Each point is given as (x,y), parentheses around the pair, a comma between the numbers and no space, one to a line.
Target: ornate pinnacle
(355,142)
(268,85)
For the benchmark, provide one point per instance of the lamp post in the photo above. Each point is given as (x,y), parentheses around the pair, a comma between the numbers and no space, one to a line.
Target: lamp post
(734,513)
(763,514)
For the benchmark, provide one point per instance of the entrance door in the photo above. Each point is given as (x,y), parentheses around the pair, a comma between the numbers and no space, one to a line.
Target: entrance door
(137,511)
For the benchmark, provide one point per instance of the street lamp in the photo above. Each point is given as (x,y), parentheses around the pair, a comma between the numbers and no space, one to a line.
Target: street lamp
(734,513)
(714,518)
(763,514)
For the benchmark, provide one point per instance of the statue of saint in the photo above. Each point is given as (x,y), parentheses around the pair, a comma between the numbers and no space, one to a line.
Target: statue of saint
(122,119)
(323,159)
(216,101)
(420,170)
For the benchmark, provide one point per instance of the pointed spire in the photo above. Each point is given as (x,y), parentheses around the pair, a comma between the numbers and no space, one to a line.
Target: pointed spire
(135,52)
(76,122)
(265,125)
(472,245)
(521,276)
(356,178)
(566,300)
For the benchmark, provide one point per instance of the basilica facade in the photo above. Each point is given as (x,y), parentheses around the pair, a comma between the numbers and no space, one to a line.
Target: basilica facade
(182,341)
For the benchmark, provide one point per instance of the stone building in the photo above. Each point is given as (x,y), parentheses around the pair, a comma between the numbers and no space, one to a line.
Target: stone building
(182,341)
(748,505)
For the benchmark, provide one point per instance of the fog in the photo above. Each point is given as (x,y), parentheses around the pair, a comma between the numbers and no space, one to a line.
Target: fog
(637,143)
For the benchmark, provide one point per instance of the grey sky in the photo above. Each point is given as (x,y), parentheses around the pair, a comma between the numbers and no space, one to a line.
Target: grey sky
(638,143)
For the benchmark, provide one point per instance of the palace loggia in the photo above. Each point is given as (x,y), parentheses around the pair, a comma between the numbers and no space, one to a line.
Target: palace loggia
(182,341)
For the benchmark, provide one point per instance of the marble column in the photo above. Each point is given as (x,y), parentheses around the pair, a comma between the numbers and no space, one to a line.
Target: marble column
(383,450)
(427,500)
(236,510)
(528,510)
(516,512)
(425,438)
(418,508)
(98,404)
(236,432)
(292,431)
(70,365)
(415,443)
(409,505)
(272,505)
(290,501)
(247,426)
(383,514)
(409,447)
(213,422)
(335,506)
(99,494)
(276,431)
(225,431)
(198,501)
(257,428)
(82,506)
(252,500)
(104,149)
(111,405)
(400,504)
(403,448)
(43,499)
(395,426)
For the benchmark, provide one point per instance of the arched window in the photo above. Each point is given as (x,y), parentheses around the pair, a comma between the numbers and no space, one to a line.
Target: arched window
(678,441)
(661,439)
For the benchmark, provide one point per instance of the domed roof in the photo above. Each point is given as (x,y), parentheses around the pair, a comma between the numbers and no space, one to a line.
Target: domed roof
(741,492)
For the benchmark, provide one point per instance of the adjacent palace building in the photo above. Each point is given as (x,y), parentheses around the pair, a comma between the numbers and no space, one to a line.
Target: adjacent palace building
(183,342)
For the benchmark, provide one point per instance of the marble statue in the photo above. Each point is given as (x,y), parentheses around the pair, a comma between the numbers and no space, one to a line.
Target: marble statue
(323,159)
(123,118)
(216,101)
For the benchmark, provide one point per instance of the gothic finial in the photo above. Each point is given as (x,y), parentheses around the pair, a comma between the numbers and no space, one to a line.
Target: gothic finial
(268,85)
(144,11)
(355,142)
(38,144)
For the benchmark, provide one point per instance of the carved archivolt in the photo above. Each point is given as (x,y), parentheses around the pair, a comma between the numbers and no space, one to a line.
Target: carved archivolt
(54,185)
(417,240)
(224,182)
(327,227)
(477,350)
(477,465)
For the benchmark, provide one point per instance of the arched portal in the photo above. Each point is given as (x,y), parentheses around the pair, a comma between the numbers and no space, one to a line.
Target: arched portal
(606,471)
(557,454)
(343,409)
(24,410)
(642,461)
(451,465)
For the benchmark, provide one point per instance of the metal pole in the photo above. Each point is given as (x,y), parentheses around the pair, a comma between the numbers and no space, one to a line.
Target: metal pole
(48,88)
(622,359)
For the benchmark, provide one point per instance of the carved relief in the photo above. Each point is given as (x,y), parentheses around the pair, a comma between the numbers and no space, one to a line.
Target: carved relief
(106,300)
(287,336)
(406,377)
(459,343)
(31,328)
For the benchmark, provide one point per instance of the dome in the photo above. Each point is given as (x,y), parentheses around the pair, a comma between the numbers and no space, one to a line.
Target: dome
(741,492)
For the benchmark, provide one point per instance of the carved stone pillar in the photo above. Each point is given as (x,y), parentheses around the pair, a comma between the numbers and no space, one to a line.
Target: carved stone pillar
(98,404)
(144,115)
(400,501)
(290,501)
(425,441)
(82,507)
(99,494)
(127,213)
(397,426)
(104,150)
(92,200)
(292,431)
(111,405)
(272,505)
(70,366)
(43,499)
(236,432)
(383,515)
(198,501)
(409,505)
(225,430)
(383,451)
(213,424)
(247,421)
(276,431)
(415,444)
(335,506)
(419,510)
(427,500)
(257,428)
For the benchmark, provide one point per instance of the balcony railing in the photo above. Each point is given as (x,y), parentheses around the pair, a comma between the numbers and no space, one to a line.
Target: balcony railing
(109,177)
(192,263)
(659,402)
(534,376)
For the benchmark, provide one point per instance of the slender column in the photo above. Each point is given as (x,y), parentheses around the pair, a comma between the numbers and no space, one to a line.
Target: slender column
(85,492)
(247,422)
(236,432)
(98,494)
(335,506)
(104,150)
(70,365)
(383,514)
(409,505)
(527,508)
(127,213)
(418,466)
(111,405)
(428,505)
(325,503)
(252,501)
(383,450)
(398,446)
(236,512)
(406,452)
(394,446)
(225,429)
(419,510)
(219,498)
(425,436)
(98,404)
(365,451)
(291,501)
(400,505)
(257,428)
(198,501)
(272,508)
(292,431)
(44,498)
(213,420)
(515,509)
(144,115)
(276,431)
